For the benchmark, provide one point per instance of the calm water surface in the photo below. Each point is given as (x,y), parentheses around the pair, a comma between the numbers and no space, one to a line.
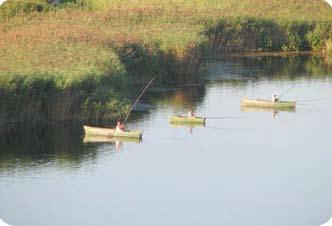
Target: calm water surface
(258,168)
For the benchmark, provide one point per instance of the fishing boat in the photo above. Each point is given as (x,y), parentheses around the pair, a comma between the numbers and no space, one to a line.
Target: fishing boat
(268,104)
(105,139)
(186,120)
(97,131)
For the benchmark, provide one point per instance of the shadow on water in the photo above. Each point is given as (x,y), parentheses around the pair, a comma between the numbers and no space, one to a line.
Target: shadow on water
(180,96)
(39,145)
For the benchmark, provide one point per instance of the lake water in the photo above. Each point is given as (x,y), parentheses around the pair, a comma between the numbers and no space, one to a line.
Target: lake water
(249,168)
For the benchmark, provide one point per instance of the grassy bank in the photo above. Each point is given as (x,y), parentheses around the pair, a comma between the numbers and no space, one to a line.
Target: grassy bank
(81,61)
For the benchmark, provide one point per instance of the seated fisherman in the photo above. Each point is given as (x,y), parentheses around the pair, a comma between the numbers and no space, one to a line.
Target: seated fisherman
(275,98)
(191,113)
(119,127)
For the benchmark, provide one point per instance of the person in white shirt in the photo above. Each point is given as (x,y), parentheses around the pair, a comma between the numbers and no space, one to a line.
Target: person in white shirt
(119,127)
(275,98)
(191,113)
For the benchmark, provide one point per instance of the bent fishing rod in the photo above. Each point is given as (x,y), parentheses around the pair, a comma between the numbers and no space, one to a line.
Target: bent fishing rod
(137,99)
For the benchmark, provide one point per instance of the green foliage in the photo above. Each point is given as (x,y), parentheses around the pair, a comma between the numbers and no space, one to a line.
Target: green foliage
(302,36)
(243,34)
(319,36)
(39,98)
(13,7)
(295,32)
(248,34)
(96,107)
(140,58)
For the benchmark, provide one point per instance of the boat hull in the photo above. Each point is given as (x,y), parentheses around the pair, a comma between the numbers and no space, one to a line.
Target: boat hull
(268,104)
(187,120)
(97,131)
(106,139)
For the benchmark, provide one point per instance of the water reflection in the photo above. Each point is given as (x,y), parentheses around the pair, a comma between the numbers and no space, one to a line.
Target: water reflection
(28,146)
(275,113)
(118,141)
(239,70)
(189,127)
(180,97)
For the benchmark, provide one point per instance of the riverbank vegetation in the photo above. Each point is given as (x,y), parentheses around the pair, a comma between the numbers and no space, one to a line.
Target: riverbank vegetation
(83,59)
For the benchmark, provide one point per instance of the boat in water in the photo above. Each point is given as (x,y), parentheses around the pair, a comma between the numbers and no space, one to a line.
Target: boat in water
(187,120)
(245,102)
(107,132)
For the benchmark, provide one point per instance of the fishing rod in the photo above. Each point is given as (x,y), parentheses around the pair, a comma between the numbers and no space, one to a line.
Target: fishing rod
(223,128)
(137,99)
(223,117)
(216,128)
(287,90)
(312,100)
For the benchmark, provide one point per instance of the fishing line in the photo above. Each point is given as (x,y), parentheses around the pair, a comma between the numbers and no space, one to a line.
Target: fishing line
(220,128)
(313,100)
(223,117)
(287,90)
(217,128)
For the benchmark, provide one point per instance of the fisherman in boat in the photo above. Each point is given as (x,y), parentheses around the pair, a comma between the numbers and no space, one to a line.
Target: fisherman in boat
(191,114)
(275,98)
(119,127)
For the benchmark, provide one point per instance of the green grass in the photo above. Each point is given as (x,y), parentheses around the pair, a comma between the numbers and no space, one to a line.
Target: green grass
(68,41)
(65,64)
(273,9)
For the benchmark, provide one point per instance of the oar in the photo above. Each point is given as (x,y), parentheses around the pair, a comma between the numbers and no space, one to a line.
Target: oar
(137,99)
(282,94)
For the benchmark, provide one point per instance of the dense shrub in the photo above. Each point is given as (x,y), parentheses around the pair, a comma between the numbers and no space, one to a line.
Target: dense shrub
(252,34)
